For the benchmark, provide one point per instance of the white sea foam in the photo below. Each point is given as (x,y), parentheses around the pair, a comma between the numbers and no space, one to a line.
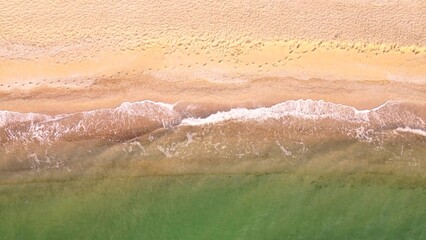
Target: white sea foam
(8,117)
(38,132)
(44,128)
(420,132)
(306,109)
(128,116)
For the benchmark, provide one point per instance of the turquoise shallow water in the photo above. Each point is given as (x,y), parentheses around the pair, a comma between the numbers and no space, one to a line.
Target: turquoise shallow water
(266,206)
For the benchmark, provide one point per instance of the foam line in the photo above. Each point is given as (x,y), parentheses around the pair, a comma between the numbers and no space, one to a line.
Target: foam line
(412,130)
(306,109)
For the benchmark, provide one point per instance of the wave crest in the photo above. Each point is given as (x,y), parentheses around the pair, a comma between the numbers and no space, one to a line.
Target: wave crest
(130,120)
(127,120)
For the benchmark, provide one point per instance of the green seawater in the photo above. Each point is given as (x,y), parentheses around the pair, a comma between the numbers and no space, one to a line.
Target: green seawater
(239,206)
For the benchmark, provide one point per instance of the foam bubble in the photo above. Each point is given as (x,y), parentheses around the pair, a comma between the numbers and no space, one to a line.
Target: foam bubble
(305,109)
(128,117)
(8,117)
(139,117)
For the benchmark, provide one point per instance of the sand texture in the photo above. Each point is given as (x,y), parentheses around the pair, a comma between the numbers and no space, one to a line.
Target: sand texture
(88,55)
(213,119)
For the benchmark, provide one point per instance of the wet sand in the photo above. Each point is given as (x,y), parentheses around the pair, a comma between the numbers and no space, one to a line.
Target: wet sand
(212,119)
(258,77)
(70,57)
(352,52)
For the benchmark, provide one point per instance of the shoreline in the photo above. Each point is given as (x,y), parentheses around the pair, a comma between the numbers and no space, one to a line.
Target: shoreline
(63,58)
(248,74)
(257,93)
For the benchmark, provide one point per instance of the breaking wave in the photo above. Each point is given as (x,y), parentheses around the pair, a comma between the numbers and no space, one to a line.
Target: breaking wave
(130,120)
(306,109)
(288,133)
(127,120)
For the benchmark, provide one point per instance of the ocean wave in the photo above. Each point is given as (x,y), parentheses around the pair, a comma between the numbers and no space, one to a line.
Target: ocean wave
(8,117)
(129,119)
(306,109)
(133,119)
(291,131)
(389,114)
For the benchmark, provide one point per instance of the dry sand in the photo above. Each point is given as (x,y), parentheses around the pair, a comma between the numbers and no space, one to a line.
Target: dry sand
(66,56)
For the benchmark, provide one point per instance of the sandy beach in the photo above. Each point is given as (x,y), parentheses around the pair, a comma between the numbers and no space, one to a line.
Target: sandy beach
(116,71)
(78,60)
(213,119)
